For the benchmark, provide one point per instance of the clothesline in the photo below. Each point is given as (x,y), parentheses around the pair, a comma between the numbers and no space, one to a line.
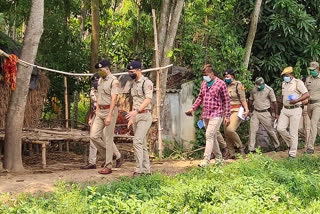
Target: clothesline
(2,53)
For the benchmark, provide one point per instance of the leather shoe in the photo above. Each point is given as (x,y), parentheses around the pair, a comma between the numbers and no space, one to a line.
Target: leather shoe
(105,171)
(89,166)
(278,149)
(119,162)
(136,174)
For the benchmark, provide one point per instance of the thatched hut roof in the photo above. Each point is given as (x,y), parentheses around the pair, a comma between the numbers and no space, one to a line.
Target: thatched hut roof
(39,86)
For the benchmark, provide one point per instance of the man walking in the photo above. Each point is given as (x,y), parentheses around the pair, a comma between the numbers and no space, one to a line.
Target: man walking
(92,149)
(215,101)
(105,118)
(140,117)
(260,100)
(293,93)
(313,86)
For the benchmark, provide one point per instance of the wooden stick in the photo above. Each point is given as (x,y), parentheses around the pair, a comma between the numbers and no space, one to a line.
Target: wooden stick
(44,158)
(66,101)
(68,149)
(156,50)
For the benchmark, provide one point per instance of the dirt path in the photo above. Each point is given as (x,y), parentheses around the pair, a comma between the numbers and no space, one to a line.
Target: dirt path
(44,181)
(65,167)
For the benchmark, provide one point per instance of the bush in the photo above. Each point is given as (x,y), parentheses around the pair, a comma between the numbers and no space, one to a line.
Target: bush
(257,185)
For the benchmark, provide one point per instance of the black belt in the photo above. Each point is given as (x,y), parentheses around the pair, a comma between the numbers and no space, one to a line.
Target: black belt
(292,107)
(314,101)
(265,110)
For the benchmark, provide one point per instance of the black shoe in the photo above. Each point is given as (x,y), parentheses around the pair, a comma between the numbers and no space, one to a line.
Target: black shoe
(277,149)
(241,151)
(136,174)
(89,166)
(254,151)
(309,151)
(119,162)
(291,157)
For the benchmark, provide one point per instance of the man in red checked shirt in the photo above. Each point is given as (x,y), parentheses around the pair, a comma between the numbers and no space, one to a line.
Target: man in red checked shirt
(215,102)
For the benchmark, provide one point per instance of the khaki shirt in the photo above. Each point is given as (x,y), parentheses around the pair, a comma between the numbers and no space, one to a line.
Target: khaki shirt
(313,86)
(139,94)
(236,98)
(105,89)
(262,99)
(294,87)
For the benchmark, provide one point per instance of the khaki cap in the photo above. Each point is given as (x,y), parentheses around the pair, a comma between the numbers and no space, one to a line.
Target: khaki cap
(287,70)
(313,65)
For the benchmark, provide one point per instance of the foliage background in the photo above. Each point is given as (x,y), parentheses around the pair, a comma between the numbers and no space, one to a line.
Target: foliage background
(209,32)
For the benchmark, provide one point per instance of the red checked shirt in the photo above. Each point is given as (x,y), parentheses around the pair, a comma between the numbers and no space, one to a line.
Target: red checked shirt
(214,100)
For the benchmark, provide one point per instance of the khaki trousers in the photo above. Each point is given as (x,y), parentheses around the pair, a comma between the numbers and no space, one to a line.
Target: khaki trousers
(221,141)
(93,151)
(100,140)
(305,126)
(266,121)
(314,114)
(232,138)
(289,118)
(141,125)
(212,127)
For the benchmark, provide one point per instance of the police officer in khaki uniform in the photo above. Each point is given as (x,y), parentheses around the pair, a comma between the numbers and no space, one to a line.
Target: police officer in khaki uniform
(92,149)
(293,93)
(313,86)
(261,98)
(105,119)
(237,99)
(140,117)
(305,124)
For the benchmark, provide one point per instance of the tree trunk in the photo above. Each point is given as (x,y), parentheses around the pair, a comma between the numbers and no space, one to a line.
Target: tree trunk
(169,20)
(95,34)
(162,30)
(252,31)
(83,18)
(138,24)
(170,37)
(18,99)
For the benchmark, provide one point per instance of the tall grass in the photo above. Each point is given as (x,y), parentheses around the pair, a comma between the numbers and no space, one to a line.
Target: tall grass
(257,185)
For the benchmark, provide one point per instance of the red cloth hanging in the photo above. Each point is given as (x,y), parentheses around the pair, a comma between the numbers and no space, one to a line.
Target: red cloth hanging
(10,69)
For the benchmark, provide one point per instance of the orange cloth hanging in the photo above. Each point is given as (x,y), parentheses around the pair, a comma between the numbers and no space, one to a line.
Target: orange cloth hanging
(10,70)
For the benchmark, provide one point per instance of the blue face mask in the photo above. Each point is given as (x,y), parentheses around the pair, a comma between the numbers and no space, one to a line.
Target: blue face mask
(207,78)
(261,88)
(228,80)
(287,79)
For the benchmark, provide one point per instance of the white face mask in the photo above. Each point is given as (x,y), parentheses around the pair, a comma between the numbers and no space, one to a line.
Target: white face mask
(287,79)
(207,78)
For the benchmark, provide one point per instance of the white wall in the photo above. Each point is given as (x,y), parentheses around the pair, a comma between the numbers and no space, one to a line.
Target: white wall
(176,125)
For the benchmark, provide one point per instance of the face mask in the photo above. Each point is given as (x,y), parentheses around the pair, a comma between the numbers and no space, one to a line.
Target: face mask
(133,75)
(287,79)
(207,78)
(102,74)
(314,73)
(261,88)
(228,80)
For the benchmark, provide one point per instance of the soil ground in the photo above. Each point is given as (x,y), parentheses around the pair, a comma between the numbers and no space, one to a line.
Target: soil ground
(66,166)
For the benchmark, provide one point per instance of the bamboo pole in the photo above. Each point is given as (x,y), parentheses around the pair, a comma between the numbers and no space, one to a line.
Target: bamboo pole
(66,101)
(156,49)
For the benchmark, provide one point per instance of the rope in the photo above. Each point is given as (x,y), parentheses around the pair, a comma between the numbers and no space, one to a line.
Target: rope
(24,63)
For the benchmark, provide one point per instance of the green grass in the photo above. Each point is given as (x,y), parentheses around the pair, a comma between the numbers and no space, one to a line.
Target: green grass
(259,185)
